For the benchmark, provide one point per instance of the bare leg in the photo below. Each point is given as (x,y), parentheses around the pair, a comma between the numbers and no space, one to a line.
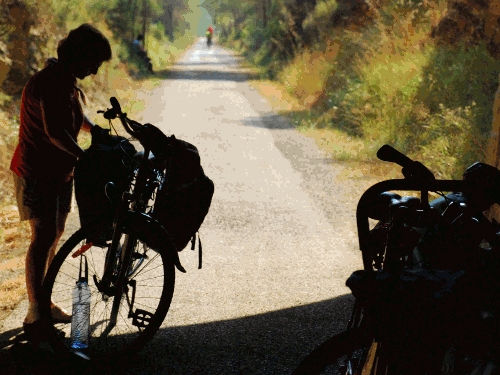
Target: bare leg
(61,222)
(45,234)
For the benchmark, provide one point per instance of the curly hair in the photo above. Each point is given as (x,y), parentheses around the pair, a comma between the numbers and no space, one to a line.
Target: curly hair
(83,43)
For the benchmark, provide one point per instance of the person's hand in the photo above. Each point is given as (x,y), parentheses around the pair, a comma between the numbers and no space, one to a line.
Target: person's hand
(70,176)
(98,133)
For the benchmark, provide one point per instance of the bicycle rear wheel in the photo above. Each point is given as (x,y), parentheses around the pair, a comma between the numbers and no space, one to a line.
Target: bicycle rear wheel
(345,353)
(143,306)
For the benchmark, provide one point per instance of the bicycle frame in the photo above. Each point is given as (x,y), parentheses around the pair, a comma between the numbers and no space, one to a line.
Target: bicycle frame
(391,185)
(111,283)
(137,202)
(362,219)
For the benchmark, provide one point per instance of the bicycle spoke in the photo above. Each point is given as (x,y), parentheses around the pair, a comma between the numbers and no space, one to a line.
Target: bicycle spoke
(139,272)
(150,286)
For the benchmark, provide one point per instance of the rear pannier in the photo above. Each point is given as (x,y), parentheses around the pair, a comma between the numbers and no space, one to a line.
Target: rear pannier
(185,197)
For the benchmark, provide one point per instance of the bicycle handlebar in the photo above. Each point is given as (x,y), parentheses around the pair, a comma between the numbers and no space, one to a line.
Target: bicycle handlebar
(413,170)
(389,153)
(115,105)
(132,127)
(151,138)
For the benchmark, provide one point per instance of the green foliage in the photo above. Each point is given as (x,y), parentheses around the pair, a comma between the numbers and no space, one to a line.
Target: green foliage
(450,141)
(71,13)
(316,23)
(457,77)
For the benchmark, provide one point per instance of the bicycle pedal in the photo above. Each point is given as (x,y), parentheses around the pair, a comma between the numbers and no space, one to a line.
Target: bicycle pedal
(141,318)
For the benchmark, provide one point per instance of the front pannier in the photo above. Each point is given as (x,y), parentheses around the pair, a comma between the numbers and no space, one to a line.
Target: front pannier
(108,159)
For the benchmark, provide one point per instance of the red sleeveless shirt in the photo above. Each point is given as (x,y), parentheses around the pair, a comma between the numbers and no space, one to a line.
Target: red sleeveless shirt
(36,155)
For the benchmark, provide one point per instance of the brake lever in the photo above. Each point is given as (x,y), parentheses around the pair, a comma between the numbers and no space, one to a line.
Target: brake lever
(418,172)
(109,114)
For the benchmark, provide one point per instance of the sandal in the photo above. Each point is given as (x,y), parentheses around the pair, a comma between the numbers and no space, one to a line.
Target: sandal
(59,315)
(36,332)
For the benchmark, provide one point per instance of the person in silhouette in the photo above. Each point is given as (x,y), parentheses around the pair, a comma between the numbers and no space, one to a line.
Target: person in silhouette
(51,117)
(141,51)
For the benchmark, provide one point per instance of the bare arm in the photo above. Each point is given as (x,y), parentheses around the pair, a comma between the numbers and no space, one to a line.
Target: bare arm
(87,123)
(56,111)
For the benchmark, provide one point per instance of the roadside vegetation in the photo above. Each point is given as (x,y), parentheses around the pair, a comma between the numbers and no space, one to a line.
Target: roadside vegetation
(363,75)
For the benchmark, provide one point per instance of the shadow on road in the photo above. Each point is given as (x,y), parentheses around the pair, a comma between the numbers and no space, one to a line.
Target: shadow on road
(18,357)
(205,75)
(194,63)
(269,343)
(269,121)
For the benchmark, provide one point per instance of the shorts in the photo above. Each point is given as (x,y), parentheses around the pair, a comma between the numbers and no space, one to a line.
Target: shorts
(39,198)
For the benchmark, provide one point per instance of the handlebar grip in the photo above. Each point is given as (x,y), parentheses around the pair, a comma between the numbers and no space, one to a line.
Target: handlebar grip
(116,106)
(389,153)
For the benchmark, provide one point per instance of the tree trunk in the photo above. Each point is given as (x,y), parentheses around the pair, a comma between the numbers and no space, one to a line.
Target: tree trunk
(144,21)
(493,153)
(264,12)
(18,44)
(130,17)
(134,17)
(168,19)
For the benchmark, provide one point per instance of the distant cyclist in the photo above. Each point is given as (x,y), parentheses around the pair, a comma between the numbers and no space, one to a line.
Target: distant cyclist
(209,35)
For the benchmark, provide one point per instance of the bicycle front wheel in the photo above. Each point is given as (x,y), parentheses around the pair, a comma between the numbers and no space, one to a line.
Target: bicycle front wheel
(144,302)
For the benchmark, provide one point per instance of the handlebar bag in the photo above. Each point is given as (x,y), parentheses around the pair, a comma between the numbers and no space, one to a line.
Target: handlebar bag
(108,159)
(185,197)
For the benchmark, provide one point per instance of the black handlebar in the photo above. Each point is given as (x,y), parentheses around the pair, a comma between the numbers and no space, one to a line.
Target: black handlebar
(412,170)
(115,105)
(132,127)
(151,138)
(389,153)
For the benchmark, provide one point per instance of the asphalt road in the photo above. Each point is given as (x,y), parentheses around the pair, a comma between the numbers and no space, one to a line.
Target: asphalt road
(279,241)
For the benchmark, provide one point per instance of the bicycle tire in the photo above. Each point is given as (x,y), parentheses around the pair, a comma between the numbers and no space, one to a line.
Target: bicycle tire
(331,357)
(57,287)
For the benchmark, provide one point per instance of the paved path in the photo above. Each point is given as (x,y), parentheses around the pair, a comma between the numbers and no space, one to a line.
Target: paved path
(279,241)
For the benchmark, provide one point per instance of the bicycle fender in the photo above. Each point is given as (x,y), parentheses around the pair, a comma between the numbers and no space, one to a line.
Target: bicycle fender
(156,236)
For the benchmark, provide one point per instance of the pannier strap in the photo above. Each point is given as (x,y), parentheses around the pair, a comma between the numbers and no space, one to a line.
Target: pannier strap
(193,242)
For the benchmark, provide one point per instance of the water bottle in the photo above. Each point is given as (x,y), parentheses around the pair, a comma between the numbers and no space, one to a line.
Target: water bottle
(80,321)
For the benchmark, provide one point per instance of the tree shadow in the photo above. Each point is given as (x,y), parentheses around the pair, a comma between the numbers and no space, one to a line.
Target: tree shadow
(294,120)
(205,75)
(269,121)
(268,343)
(201,63)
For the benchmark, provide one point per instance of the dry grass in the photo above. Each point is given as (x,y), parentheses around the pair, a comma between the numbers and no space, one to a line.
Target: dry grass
(12,292)
(277,96)
(305,78)
(12,286)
